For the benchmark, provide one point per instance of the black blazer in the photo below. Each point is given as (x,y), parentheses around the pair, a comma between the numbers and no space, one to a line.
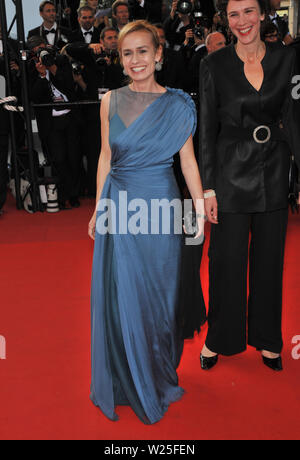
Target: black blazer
(62,35)
(152,11)
(194,69)
(173,72)
(248,176)
(77,35)
(108,76)
(171,26)
(74,5)
(15,79)
(40,92)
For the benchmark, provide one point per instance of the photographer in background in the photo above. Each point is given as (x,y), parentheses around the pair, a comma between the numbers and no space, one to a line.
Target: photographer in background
(120,14)
(151,10)
(215,41)
(176,26)
(51,81)
(102,72)
(102,60)
(171,70)
(194,50)
(282,26)
(70,13)
(270,33)
(87,32)
(49,30)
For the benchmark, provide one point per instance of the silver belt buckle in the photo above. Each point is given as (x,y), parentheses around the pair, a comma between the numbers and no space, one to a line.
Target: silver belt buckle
(268,134)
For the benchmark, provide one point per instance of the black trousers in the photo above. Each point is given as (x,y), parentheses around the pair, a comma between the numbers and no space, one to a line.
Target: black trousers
(64,154)
(91,145)
(229,255)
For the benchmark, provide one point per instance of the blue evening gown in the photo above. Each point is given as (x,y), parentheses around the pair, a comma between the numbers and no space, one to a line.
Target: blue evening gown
(136,345)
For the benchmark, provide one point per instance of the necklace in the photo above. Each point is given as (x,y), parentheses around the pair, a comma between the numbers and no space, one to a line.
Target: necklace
(258,56)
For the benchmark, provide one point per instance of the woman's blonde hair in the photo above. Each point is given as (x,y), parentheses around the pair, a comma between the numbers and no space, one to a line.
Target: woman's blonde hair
(139,26)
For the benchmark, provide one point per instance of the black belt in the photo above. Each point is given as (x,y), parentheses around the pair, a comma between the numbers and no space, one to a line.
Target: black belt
(260,134)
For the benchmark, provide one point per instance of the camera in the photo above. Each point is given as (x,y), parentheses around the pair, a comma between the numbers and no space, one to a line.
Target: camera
(184,7)
(101,60)
(47,56)
(200,23)
(77,67)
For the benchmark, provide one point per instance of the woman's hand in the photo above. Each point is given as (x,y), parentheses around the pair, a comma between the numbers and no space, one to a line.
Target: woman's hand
(201,219)
(173,9)
(92,226)
(211,209)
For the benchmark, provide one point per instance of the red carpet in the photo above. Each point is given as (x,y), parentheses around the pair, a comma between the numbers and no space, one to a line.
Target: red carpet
(45,270)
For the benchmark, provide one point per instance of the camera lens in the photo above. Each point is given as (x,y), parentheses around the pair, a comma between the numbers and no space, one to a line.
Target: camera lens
(184,7)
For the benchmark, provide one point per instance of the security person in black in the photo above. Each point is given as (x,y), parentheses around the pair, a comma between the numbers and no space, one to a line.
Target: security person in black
(102,72)
(52,82)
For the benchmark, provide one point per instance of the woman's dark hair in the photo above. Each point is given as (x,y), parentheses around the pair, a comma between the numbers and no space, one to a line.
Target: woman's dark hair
(223,4)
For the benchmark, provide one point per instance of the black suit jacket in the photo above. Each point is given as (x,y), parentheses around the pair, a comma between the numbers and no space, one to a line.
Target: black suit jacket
(62,35)
(248,176)
(171,26)
(13,56)
(173,73)
(194,69)
(40,92)
(77,35)
(152,11)
(108,76)
(74,5)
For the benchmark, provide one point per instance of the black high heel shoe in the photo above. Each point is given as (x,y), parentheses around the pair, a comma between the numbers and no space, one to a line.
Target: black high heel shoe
(208,363)
(273,363)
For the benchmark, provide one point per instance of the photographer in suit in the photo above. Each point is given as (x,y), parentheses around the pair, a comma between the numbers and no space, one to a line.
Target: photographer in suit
(71,13)
(176,26)
(53,35)
(120,14)
(102,72)
(171,70)
(51,81)
(87,32)
(151,10)
(282,26)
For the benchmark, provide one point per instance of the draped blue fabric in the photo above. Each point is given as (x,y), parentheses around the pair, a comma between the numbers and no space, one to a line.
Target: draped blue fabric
(136,347)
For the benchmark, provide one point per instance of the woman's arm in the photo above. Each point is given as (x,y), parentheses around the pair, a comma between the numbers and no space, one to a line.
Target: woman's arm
(191,174)
(208,128)
(104,164)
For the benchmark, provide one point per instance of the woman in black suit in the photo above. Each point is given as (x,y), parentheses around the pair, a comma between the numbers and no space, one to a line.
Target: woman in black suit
(249,125)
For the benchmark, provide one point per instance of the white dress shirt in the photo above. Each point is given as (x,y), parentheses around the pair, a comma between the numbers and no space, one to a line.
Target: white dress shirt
(87,38)
(58,97)
(51,37)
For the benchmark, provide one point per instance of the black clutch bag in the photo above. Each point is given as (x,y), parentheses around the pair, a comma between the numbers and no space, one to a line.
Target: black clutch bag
(294,187)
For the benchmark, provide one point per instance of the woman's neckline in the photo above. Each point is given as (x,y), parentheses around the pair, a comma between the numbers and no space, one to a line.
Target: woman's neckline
(243,62)
(146,92)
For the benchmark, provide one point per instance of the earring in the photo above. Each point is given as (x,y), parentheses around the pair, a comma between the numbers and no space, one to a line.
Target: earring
(125,73)
(158,66)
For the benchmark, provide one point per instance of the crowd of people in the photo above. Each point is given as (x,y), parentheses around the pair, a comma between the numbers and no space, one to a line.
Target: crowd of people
(74,59)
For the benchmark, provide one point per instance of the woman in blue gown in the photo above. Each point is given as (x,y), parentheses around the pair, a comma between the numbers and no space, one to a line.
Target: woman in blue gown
(136,344)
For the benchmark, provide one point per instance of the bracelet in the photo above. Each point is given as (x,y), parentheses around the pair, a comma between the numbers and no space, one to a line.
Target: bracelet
(210,194)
